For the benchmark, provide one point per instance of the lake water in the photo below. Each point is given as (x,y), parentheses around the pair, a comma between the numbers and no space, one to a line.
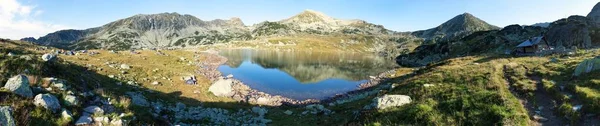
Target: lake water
(302,75)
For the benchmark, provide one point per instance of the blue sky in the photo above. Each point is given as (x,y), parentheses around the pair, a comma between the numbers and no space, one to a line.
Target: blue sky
(20,18)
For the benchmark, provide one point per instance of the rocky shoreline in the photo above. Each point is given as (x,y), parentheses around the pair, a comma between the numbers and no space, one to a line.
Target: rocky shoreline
(243,93)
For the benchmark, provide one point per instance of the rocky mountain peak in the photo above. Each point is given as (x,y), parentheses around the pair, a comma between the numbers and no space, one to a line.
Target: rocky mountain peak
(595,13)
(310,16)
(458,26)
(236,21)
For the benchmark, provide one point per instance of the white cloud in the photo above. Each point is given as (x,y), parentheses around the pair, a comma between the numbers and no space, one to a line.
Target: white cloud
(17,21)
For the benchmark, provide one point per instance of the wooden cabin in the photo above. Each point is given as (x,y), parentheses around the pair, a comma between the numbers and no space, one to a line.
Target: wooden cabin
(532,46)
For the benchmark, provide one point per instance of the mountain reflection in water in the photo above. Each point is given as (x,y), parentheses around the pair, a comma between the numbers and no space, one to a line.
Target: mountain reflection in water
(302,75)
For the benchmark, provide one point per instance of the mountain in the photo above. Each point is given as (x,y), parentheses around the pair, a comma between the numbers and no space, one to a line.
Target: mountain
(457,27)
(167,30)
(313,22)
(595,13)
(149,31)
(163,30)
(542,24)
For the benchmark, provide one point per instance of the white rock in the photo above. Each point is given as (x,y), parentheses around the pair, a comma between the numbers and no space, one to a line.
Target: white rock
(47,101)
(116,122)
(387,101)
(26,57)
(125,66)
(48,57)
(93,110)
(66,114)
(19,85)
(222,88)
(155,83)
(6,118)
(428,85)
(103,120)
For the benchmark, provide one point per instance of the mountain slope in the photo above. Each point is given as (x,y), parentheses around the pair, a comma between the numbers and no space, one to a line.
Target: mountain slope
(163,30)
(459,26)
(595,13)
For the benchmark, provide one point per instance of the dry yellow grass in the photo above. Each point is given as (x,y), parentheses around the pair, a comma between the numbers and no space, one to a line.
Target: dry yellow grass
(147,67)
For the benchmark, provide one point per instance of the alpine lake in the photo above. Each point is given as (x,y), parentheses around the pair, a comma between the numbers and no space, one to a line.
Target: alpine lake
(302,75)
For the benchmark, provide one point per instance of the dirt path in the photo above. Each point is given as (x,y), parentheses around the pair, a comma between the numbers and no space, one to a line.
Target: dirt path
(542,107)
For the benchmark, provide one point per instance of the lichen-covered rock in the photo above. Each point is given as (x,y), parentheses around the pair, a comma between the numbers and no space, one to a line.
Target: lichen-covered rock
(6,118)
(388,101)
(60,84)
(222,88)
(94,110)
(66,114)
(587,66)
(71,100)
(19,85)
(47,101)
(571,32)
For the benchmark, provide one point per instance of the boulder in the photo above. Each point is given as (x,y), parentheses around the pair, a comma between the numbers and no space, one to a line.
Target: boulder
(93,110)
(288,112)
(587,66)
(48,57)
(6,118)
(71,100)
(101,120)
(138,99)
(84,120)
(125,66)
(222,88)
(19,85)
(47,101)
(388,101)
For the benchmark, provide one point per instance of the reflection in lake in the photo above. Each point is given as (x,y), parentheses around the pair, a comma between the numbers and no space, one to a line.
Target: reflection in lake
(302,75)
